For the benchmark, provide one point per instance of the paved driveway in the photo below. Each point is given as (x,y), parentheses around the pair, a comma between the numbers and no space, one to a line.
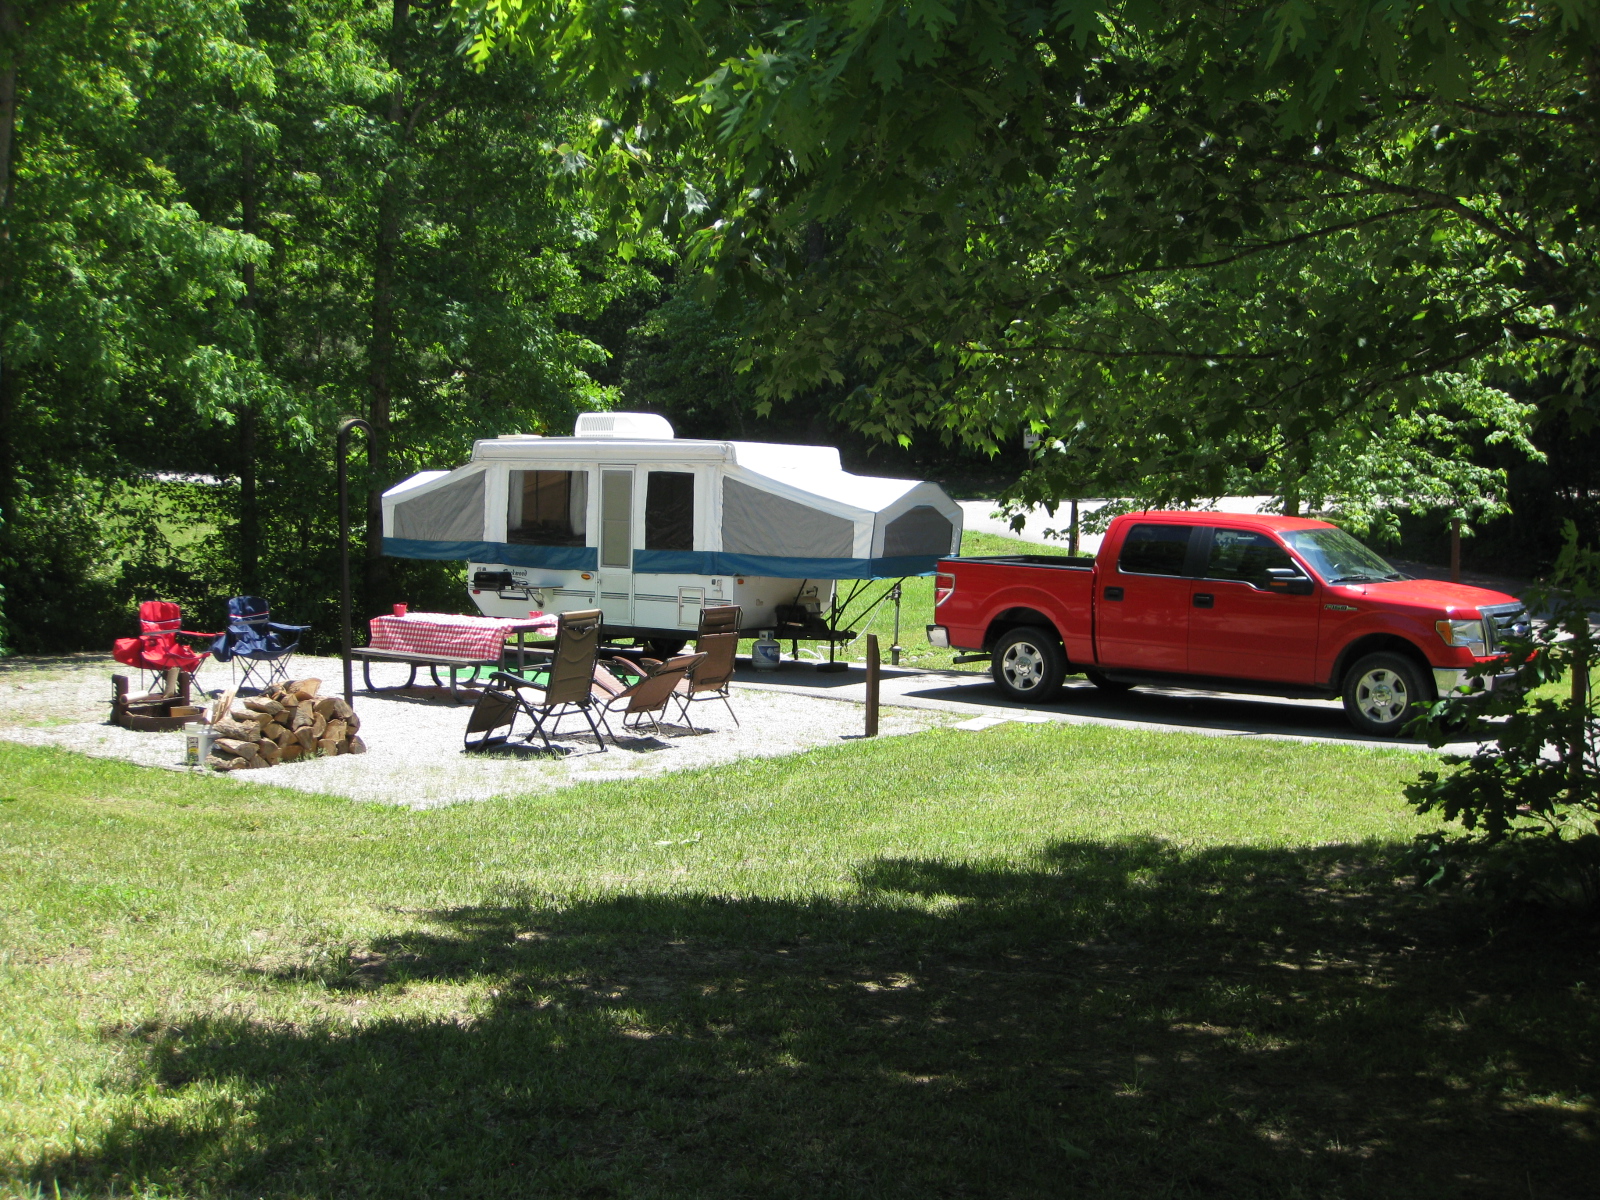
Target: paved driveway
(1080,702)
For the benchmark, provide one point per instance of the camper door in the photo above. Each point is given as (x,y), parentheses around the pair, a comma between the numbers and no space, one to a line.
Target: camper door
(616,543)
(647,507)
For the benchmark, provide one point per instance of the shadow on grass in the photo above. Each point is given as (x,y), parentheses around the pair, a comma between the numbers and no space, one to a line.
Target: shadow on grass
(1107,1020)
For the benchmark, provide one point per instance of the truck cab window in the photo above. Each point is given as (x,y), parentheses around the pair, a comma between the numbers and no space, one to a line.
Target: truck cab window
(547,508)
(669,511)
(1155,550)
(1239,554)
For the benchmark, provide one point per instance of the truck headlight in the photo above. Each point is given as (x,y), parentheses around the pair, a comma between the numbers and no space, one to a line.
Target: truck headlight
(1463,633)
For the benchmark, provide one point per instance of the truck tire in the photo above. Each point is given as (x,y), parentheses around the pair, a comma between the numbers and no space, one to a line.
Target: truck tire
(1382,692)
(1112,687)
(1028,664)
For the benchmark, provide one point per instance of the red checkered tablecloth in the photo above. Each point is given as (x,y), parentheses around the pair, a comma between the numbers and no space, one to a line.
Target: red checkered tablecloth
(447,635)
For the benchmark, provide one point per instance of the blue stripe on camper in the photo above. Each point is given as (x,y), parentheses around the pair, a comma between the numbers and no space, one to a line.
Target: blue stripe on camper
(666,562)
(560,558)
(718,562)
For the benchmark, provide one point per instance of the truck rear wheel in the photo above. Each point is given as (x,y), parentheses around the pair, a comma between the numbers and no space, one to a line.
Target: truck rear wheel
(1028,664)
(1382,693)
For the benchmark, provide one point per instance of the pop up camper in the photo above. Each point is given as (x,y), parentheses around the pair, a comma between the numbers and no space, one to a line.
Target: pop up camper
(650,528)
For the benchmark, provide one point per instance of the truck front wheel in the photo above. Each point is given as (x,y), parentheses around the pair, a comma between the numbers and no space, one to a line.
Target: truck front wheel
(1381,692)
(1028,664)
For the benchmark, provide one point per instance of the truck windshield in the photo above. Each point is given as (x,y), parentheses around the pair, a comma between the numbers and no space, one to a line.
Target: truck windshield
(1338,557)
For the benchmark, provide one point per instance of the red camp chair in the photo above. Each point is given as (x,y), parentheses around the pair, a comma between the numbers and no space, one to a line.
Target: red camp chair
(157,649)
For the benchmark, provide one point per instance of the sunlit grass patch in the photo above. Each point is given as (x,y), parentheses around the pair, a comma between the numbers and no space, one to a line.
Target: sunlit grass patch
(1036,960)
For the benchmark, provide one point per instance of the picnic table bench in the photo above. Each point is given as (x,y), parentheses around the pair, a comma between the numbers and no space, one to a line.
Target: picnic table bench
(450,640)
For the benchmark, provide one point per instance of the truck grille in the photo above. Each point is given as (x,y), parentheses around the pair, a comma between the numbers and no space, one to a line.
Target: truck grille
(1502,621)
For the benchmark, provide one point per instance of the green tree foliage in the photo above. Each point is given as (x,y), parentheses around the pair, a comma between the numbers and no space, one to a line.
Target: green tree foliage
(234,223)
(1219,234)
(111,285)
(1529,800)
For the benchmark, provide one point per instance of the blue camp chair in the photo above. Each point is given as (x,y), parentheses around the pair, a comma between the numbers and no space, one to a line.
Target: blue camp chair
(258,647)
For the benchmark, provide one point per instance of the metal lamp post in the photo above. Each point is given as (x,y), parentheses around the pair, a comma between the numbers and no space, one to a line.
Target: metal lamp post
(346,428)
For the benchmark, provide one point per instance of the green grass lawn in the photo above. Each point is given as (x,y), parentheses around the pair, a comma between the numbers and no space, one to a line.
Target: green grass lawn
(1033,961)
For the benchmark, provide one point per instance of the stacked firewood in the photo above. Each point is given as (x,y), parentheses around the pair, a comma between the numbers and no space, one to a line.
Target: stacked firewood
(286,722)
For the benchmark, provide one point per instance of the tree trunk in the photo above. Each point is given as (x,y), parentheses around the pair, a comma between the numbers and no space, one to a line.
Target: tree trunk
(385,252)
(1580,719)
(10,55)
(249,502)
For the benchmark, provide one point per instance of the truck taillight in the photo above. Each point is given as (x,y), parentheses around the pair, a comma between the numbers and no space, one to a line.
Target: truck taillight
(943,585)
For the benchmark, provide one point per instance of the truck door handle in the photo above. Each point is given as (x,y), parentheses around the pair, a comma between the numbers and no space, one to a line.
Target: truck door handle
(1113,593)
(1204,599)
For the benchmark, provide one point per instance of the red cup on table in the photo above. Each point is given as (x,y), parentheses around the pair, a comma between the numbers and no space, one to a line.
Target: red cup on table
(401,609)
(535,613)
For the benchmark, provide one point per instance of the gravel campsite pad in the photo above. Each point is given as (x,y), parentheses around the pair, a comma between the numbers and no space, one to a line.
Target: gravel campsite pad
(414,738)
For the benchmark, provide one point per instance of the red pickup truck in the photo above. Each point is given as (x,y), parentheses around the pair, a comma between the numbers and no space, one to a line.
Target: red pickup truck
(1240,603)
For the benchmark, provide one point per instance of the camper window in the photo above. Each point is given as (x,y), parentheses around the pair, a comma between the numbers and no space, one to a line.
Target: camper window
(547,508)
(669,511)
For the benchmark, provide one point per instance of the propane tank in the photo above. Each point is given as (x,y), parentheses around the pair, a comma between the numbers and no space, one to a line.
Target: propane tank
(764,654)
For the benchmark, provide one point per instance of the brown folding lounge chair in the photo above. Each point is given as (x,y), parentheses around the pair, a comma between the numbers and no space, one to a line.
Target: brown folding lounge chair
(558,689)
(719,618)
(647,697)
(713,678)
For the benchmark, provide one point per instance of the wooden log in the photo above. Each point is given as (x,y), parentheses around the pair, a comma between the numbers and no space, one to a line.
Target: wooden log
(243,731)
(342,710)
(324,707)
(328,747)
(286,738)
(353,721)
(274,731)
(291,752)
(356,746)
(319,726)
(302,715)
(303,736)
(337,730)
(269,752)
(262,704)
(223,704)
(306,689)
(223,762)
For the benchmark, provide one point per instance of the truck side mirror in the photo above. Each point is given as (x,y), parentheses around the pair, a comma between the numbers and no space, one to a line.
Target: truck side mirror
(1290,581)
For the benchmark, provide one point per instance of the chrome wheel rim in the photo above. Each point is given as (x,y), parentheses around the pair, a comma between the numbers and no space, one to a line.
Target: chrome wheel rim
(1023,666)
(1381,696)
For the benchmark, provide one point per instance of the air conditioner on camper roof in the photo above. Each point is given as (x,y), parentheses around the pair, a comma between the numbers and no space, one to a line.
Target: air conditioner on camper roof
(630,426)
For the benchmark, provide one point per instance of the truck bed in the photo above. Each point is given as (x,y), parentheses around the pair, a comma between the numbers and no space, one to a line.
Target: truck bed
(995,593)
(1058,561)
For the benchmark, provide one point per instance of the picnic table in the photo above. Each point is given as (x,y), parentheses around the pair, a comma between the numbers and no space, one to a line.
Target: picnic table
(450,640)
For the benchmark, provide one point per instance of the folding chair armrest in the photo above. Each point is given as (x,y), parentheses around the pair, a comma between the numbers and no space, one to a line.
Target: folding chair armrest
(622,665)
(511,679)
(196,633)
(288,628)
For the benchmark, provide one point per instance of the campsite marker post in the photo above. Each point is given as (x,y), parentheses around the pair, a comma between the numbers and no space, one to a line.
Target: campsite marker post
(346,428)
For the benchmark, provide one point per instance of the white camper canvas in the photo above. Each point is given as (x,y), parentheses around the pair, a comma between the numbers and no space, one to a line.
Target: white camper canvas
(650,528)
